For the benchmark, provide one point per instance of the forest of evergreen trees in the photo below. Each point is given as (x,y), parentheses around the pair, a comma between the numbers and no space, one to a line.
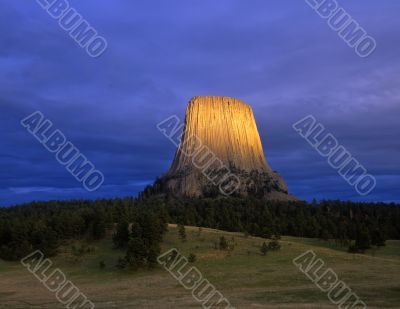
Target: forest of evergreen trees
(138,224)
(47,225)
(356,225)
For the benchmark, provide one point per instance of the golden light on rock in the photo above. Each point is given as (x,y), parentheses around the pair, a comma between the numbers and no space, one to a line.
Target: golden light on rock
(227,129)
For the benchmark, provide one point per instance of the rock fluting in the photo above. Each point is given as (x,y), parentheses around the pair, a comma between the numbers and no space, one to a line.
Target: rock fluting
(220,152)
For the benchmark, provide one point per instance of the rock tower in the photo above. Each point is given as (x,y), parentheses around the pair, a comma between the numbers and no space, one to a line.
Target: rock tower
(220,153)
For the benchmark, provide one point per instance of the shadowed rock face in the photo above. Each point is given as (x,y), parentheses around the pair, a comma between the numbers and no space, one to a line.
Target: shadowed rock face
(221,149)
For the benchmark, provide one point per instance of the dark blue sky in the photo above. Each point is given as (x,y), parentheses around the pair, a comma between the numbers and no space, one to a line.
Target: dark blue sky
(277,55)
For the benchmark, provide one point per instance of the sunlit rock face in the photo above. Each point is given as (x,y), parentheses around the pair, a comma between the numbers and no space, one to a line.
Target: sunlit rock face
(221,153)
(228,128)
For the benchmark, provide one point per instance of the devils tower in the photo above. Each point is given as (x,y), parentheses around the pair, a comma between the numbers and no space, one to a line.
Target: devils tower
(220,152)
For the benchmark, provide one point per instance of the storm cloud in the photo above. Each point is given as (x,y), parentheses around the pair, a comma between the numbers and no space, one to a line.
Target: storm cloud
(277,55)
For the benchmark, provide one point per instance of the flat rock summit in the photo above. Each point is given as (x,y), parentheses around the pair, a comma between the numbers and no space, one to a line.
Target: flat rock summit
(220,152)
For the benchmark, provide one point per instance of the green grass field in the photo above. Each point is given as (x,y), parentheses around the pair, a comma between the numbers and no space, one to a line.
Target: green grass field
(244,276)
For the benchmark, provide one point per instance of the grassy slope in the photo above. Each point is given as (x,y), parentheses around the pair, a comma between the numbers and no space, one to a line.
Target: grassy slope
(246,278)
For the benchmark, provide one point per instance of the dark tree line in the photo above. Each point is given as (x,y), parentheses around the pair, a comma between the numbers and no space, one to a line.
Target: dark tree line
(357,225)
(47,225)
(138,224)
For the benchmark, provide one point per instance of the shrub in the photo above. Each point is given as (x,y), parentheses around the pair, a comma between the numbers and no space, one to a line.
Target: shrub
(192,258)
(274,245)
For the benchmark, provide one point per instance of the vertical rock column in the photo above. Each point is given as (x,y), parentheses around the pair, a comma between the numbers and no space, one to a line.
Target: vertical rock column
(227,128)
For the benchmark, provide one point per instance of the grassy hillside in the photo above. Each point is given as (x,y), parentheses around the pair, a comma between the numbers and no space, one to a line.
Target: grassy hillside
(245,277)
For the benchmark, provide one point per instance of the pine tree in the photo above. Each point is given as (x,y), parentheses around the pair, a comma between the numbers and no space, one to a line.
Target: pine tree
(223,244)
(264,249)
(136,253)
(377,238)
(182,232)
(363,240)
(152,255)
(97,228)
(121,236)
